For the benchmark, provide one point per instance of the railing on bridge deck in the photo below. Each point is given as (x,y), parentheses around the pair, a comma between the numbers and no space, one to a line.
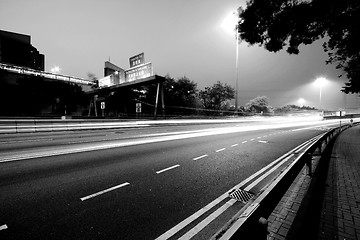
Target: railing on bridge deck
(33,72)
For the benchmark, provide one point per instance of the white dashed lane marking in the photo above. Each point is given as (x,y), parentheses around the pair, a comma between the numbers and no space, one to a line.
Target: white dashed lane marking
(167,169)
(234,145)
(219,150)
(202,156)
(104,191)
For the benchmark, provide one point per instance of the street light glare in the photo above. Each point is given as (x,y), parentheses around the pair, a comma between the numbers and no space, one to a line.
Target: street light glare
(229,23)
(319,82)
(55,69)
(301,102)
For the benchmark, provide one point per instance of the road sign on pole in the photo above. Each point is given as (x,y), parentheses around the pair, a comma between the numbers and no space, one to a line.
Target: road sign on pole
(138,107)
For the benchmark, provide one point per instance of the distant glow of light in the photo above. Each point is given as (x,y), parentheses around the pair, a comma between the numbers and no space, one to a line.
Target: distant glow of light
(55,69)
(301,102)
(229,23)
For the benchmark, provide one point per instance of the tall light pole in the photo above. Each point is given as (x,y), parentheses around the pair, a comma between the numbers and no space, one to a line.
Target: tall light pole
(231,23)
(237,68)
(320,83)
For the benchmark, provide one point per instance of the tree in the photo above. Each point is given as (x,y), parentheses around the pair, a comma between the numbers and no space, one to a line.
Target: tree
(258,105)
(217,96)
(276,24)
(181,95)
(92,77)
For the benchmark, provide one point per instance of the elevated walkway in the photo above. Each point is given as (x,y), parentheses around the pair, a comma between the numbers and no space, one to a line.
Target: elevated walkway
(52,76)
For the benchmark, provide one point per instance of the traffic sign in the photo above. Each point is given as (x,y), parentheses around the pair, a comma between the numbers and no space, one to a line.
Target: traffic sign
(138,107)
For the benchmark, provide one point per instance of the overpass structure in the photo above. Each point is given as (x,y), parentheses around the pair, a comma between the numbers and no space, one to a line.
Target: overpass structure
(116,79)
(52,76)
(101,93)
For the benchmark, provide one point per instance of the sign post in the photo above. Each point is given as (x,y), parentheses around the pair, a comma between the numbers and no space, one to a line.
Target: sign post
(102,108)
(138,109)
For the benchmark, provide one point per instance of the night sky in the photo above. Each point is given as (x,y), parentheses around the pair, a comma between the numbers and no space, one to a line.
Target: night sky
(179,37)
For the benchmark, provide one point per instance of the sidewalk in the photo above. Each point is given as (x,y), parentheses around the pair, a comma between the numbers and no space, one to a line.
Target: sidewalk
(326,205)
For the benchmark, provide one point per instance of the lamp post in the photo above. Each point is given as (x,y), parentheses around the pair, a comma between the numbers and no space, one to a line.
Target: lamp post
(237,69)
(320,83)
(230,24)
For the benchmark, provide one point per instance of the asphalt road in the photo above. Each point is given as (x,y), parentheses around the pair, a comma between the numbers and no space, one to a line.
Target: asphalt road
(131,183)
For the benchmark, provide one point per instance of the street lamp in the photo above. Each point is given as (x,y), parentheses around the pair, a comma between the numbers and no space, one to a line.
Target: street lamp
(320,82)
(301,102)
(55,69)
(230,24)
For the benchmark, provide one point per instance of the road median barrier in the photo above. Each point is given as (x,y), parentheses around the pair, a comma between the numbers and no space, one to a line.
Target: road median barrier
(8,126)
(251,221)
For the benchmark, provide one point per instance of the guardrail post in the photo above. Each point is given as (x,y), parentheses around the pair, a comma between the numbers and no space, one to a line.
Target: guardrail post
(263,231)
(309,163)
(319,149)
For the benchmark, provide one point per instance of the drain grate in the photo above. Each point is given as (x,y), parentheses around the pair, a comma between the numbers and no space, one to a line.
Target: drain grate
(241,195)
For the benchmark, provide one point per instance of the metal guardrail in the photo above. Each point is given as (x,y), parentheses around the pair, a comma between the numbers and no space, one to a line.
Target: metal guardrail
(251,221)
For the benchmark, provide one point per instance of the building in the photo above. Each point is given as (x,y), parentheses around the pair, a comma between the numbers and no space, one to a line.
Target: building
(113,75)
(16,49)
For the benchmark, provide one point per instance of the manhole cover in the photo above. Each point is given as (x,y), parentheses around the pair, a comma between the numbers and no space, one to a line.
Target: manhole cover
(241,195)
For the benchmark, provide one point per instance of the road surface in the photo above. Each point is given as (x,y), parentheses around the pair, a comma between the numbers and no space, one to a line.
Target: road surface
(139,183)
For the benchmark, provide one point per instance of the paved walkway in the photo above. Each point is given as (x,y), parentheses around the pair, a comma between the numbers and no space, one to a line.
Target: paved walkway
(340,215)
(326,205)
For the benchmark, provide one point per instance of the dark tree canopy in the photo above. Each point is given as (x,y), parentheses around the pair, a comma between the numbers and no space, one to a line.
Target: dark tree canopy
(216,96)
(278,24)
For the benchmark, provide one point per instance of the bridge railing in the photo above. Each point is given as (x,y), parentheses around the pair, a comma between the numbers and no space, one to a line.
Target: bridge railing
(33,72)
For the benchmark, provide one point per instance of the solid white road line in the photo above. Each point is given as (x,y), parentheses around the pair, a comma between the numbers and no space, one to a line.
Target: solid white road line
(104,191)
(219,150)
(167,169)
(267,173)
(3,227)
(207,220)
(190,219)
(202,156)
(234,145)
(171,232)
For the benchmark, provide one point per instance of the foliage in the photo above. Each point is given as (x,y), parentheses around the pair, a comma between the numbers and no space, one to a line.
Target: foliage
(259,105)
(292,108)
(92,77)
(181,95)
(217,96)
(276,24)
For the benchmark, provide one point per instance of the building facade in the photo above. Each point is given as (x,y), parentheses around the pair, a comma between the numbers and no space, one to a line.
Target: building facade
(16,49)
